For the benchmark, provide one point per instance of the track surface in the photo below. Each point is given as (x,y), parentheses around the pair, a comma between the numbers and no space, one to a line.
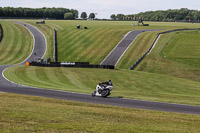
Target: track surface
(40,46)
(116,54)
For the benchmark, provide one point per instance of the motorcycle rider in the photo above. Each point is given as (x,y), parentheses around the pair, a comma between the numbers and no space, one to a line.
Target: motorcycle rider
(103,89)
(109,82)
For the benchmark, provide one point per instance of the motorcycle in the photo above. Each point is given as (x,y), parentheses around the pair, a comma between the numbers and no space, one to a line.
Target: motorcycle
(102,90)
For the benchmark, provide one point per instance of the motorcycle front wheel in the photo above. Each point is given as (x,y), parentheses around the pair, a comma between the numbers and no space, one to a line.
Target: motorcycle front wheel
(94,94)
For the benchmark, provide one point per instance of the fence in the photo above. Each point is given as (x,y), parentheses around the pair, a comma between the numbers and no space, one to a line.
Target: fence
(71,64)
(1,33)
(153,44)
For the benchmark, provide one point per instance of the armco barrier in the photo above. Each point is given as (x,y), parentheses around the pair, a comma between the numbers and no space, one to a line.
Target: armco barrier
(153,44)
(1,33)
(71,64)
(55,55)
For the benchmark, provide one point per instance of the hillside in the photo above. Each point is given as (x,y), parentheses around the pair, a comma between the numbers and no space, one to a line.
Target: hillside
(17,43)
(175,54)
(94,44)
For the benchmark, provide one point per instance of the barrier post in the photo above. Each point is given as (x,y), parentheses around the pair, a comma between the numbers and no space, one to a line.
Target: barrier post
(55,54)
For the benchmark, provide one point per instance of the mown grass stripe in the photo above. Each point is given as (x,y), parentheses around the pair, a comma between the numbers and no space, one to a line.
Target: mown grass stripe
(14,48)
(95,51)
(137,49)
(77,45)
(54,79)
(11,44)
(61,78)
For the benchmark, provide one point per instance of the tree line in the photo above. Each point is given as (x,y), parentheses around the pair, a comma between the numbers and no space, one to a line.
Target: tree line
(182,14)
(52,13)
(85,16)
(46,13)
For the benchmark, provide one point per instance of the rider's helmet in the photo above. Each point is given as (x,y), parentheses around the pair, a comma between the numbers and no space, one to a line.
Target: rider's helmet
(109,82)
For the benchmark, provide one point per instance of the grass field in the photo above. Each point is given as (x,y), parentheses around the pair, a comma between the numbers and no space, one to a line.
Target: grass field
(95,43)
(91,45)
(176,55)
(83,45)
(155,80)
(16,45)
(137,49)
(129,84)
(22,114)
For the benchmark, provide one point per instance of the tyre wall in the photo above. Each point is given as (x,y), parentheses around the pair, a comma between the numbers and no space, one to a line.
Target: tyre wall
(1,33)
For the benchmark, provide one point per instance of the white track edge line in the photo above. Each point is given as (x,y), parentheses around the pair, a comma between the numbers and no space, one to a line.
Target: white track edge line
(126,50)
(33,45)
(154,44)
(116,46)
(28,56)
(43,36)
(38,88)
(89,94)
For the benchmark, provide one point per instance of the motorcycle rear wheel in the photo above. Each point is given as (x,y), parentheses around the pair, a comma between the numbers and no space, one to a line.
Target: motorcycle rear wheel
(105,93)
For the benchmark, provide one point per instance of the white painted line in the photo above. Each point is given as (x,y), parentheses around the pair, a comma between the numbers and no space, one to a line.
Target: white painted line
(6,78)
(29,55)
(33,46)
(38,88)
(154,44)
(34,39)
(115,47)
(44,38)
(126,50)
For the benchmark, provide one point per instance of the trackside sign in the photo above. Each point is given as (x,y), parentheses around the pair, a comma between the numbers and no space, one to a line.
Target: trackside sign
(67,63)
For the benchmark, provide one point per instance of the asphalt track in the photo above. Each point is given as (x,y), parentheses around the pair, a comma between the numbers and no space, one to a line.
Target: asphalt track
(116,54)
(40,46)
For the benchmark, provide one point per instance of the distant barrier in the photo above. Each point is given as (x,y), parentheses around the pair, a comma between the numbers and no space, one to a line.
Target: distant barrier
(55,54)
(70,64)
(42,63)
(1,33)
(154,42)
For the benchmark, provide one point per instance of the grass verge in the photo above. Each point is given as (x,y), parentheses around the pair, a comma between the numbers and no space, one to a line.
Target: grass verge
(129,84)
(22,114)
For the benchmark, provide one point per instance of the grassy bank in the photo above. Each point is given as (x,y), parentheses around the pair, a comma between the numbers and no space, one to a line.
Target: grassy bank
(82,45)
(22,114)
(16,45)
(141,44)
(175,54)
(95,43)
(129,84)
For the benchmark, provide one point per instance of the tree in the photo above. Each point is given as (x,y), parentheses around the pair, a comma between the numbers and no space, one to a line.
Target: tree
(120,16)
(83,15)
(113,17)
(69,16)
(75,13)
(197,15)
(55,13)
(92,16)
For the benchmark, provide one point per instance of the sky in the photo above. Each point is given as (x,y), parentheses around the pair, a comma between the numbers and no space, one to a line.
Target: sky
(105,8)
